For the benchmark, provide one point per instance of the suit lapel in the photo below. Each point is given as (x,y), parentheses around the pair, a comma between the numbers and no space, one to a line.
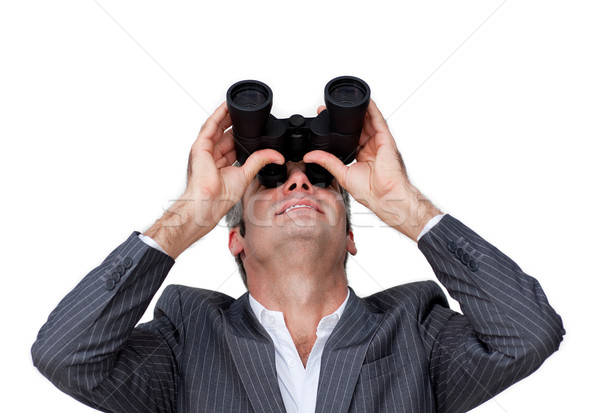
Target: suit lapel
(254,356)
(344,354)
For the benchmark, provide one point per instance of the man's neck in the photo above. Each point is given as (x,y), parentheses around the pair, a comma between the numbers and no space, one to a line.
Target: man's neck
(304,298)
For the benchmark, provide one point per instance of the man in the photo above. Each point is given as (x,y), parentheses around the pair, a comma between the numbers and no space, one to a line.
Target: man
(300,340)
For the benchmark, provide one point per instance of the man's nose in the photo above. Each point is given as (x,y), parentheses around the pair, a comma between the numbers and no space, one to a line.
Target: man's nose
(297,179)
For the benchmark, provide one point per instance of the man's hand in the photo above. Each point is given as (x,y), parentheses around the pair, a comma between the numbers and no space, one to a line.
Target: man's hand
(213,185)
(378,178)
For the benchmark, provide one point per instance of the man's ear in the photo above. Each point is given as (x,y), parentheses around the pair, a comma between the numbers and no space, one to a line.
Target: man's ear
(350,246)
(235,241)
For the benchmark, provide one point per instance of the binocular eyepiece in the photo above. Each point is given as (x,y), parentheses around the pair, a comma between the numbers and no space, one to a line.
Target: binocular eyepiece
(335,130)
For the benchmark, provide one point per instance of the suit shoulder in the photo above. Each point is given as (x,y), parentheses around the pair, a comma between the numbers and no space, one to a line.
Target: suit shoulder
(185,297)
(415,295)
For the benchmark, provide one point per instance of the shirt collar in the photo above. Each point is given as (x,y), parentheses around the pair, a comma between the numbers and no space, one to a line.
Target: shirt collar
(274,319)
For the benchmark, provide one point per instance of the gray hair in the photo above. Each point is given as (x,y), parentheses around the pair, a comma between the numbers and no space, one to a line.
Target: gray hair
(235,218)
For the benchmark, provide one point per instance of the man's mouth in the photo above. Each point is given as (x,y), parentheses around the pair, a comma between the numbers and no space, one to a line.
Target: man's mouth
(294,204)
(298,206)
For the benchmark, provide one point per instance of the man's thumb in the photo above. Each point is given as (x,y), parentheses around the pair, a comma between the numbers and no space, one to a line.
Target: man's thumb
(331,163)
(257,160)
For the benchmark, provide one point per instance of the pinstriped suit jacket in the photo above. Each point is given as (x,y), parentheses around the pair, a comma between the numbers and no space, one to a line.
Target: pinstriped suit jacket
(400,350)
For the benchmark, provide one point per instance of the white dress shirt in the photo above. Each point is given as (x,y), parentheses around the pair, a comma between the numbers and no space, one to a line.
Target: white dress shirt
(298,385)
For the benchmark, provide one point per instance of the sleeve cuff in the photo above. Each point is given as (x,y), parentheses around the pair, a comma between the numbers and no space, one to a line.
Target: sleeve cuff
(430,224)
(150,242)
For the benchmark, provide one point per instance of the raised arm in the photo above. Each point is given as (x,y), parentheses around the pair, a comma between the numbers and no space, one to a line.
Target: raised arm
(89,347)
(378,178)
(507,328)
(213,185)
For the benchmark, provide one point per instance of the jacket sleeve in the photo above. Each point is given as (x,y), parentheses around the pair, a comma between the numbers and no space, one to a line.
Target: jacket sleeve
(89,348)
(508,328)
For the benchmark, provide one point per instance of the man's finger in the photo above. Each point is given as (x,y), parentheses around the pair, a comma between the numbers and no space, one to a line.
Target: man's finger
(364,138)
(320,109)
(227,159)
(257,160)
(374,112)
(331,163)
(216,123)
(231,157)
(224,145)
(368,127)
(378,122)
(378,126)
(224,124)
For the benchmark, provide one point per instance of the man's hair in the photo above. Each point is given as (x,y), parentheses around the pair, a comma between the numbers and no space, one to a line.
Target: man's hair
(235,218)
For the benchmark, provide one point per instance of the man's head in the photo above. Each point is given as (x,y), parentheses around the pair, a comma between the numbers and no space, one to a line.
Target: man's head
(293,221)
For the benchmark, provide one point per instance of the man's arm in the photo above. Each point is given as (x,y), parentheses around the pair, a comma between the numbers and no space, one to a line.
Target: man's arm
(213,185)
(508,328)
(89,347)
(378,178)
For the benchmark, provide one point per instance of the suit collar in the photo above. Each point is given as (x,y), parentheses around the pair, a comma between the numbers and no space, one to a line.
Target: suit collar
(344,354)
(254,356)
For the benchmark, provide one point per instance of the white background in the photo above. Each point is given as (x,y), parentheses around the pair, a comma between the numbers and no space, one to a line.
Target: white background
(494,106)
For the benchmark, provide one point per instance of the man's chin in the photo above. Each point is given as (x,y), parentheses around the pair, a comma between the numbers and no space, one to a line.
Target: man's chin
(305,229)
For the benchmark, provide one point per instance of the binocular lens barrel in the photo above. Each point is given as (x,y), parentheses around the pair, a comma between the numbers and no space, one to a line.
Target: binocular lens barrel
(249,103)
(336,130)
(250,97)
(347,99)
(347,94)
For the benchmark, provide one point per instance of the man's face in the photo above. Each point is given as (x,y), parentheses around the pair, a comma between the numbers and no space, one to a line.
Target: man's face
(296,217)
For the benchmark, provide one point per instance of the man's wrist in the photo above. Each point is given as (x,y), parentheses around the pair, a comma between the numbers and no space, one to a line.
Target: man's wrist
(415,225)
(151,243)
(430,224)
(412,214)
(176,230)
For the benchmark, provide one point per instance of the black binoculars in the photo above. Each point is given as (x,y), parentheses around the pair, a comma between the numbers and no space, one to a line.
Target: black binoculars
(335,130)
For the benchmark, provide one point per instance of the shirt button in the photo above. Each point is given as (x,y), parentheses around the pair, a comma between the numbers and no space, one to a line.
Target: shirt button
(270,321)
(291,362)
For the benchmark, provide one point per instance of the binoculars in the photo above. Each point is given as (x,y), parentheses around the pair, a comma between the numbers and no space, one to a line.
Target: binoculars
(335,130)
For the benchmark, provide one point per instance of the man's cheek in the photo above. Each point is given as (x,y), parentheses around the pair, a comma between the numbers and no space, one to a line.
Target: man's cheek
(334,208)
(259,211)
